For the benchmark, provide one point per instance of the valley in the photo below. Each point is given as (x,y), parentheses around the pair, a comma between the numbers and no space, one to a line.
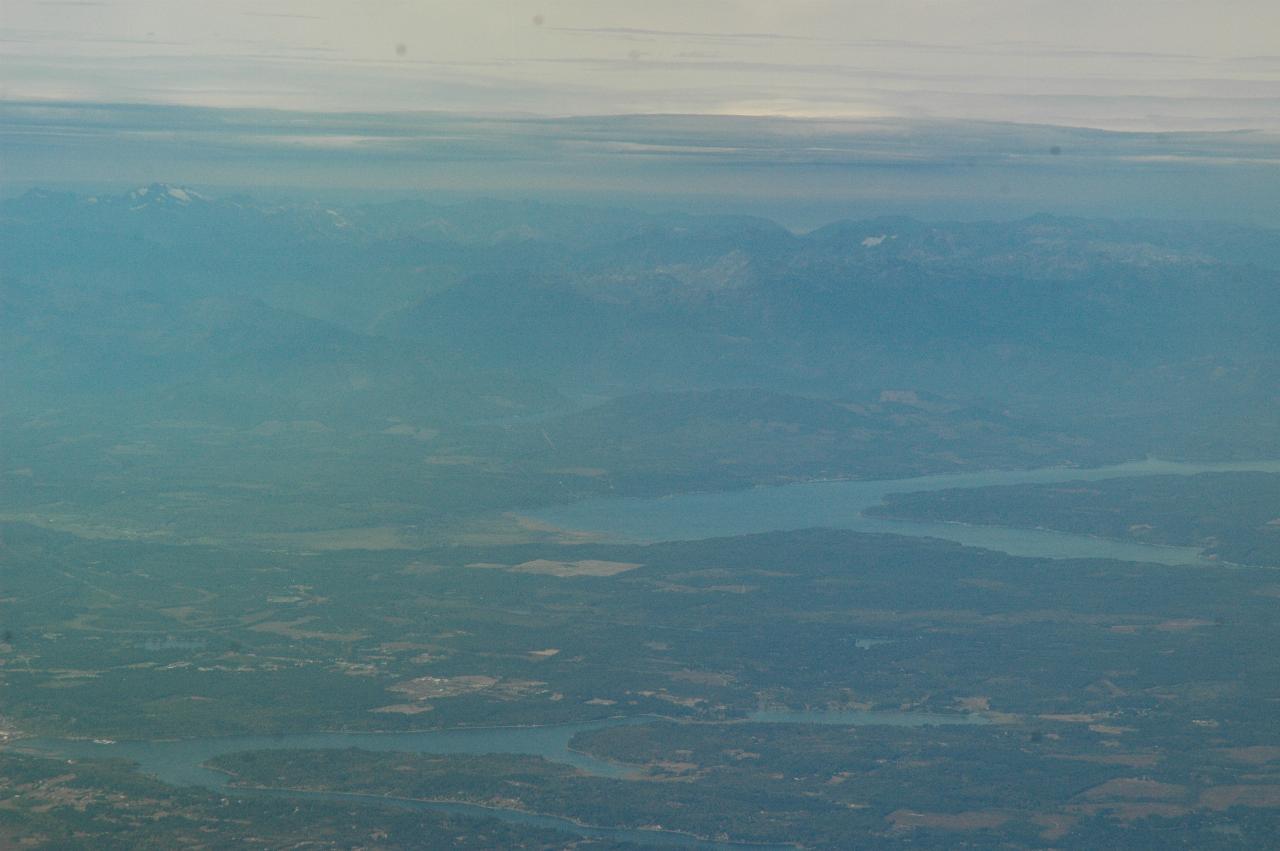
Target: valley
(530,525)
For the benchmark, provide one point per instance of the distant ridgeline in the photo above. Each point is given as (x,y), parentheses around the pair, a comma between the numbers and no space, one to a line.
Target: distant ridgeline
(303,345)
(274,469)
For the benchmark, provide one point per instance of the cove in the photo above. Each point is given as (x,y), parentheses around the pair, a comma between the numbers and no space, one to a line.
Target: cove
(180,762)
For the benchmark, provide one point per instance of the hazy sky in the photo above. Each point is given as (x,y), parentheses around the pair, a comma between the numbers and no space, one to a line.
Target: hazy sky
(1120,64)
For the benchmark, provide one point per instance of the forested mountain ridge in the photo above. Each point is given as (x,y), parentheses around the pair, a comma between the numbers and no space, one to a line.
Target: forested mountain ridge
(420,358)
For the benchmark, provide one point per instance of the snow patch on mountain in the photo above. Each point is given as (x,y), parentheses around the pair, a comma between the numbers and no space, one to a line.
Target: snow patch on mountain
(163,193)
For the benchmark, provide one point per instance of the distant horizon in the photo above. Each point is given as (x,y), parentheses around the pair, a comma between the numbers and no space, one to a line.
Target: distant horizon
(538,390)
(799,171)
(657,207)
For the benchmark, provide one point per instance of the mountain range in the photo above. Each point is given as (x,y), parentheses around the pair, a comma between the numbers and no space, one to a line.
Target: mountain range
(514,341)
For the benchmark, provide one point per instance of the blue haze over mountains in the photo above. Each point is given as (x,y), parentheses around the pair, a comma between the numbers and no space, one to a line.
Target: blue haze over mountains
(164,284)
(535,330)
(602,425)
(331,449)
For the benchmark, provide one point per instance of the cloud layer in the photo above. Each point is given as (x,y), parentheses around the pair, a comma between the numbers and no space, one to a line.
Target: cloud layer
(816,169)
(1141,64)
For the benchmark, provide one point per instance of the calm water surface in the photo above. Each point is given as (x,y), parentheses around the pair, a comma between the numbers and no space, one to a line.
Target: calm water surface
(839,504)
(684,517)
(181,762)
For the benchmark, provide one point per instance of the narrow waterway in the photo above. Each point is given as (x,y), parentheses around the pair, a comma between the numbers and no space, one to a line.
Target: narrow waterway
(841,503)
(837,504)
(181,762)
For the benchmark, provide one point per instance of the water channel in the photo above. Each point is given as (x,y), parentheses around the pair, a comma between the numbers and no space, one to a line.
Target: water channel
(181,762)
(841,503)
(683,517)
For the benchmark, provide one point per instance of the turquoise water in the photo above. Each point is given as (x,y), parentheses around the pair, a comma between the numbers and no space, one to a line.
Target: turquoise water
(840,503)
(180,761)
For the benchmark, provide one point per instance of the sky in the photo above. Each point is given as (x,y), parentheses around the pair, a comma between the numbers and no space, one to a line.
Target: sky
(1137,65)
(801,110)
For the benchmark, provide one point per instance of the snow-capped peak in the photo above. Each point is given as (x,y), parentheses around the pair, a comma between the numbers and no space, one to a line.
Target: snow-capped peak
(163,193)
